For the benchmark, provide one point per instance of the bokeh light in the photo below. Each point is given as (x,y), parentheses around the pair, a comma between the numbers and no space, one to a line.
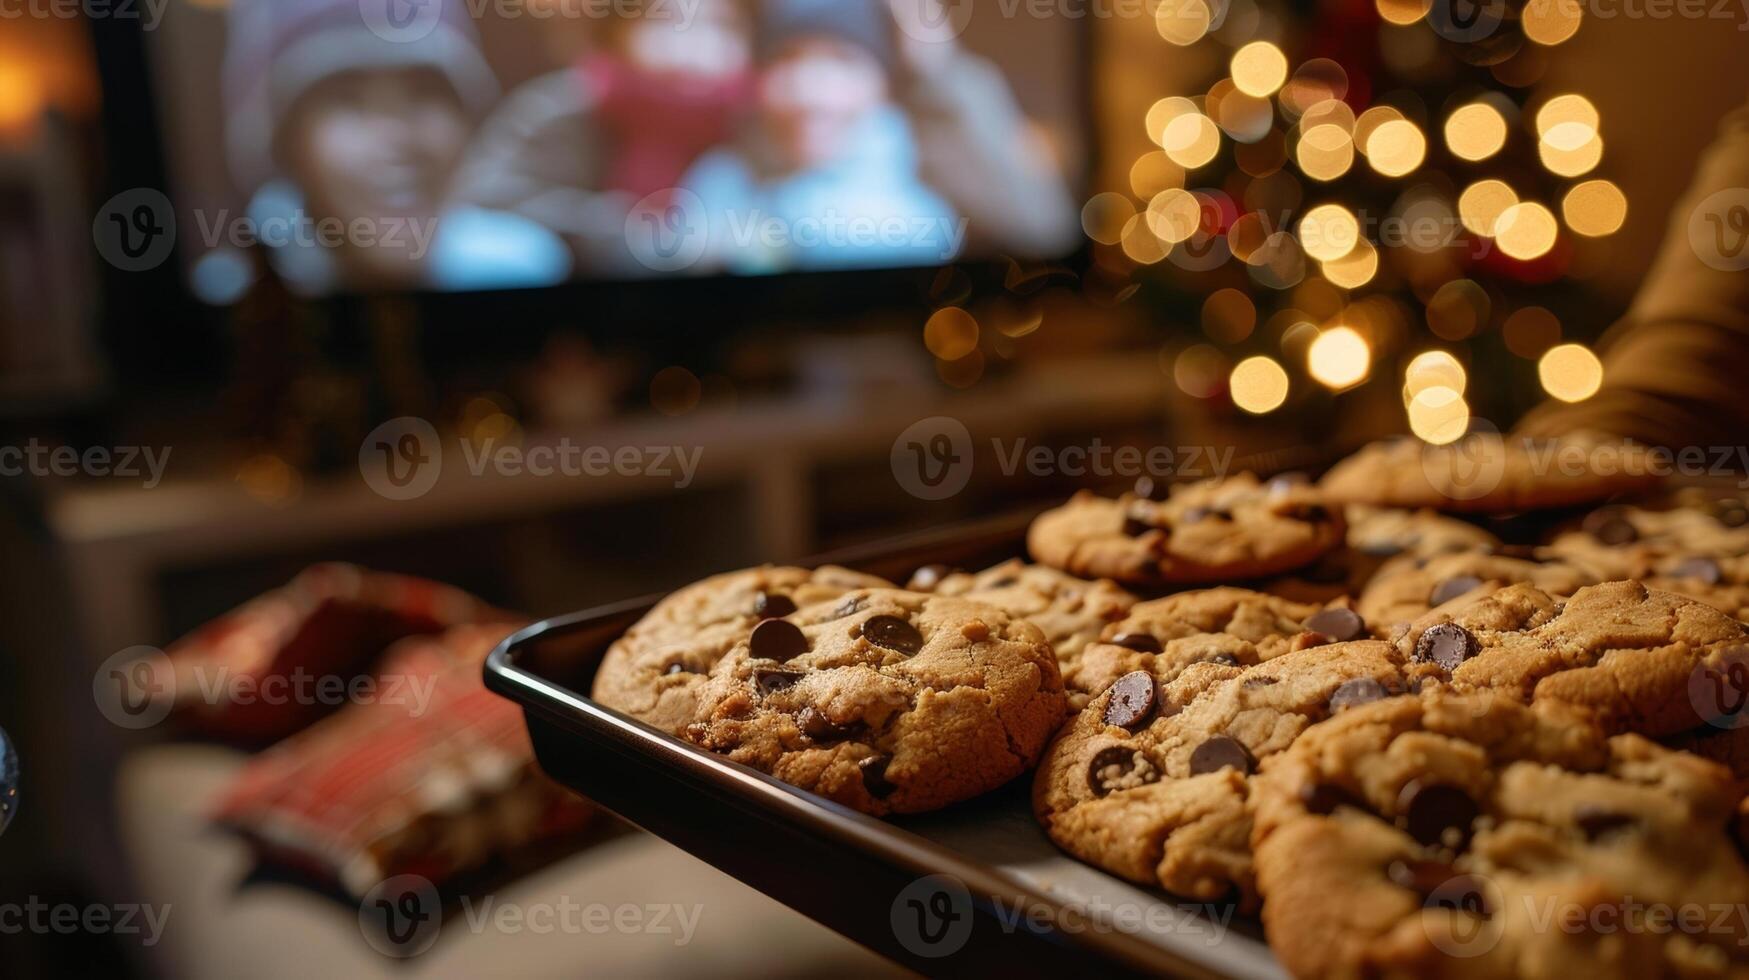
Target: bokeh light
(1458,310)
(1174,215)
(1396,147)
(675,391)
(1259,68)
(951,333)
(1433,369)
(1328,232)
(1183,22)
(1152,173)
(1595,207)
(1324,152)
(1355,269)
(1228,316)
(1161,114)
(1104,215)
(1401,12)
(1259,385)
(1549,22)
(1200,370)
(1191,140)
(1140,244)
(1526,231)
(1482,203)
(1570,372)
(1339,358)
(1439,415)
(1475,132)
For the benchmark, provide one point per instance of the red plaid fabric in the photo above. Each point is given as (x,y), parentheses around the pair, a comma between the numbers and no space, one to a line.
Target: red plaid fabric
(430,782)
(248,676)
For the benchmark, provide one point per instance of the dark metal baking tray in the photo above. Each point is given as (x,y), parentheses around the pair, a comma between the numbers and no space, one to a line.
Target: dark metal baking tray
(973,888)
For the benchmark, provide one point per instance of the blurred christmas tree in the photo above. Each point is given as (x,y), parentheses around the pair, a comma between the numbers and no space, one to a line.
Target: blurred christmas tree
(1372,190)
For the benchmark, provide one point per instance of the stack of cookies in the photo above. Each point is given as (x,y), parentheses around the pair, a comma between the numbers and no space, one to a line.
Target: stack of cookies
(1416,749)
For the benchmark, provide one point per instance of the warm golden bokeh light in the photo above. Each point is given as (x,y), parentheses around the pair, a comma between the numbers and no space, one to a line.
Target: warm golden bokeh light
(1104,216)
(1183,22)
(1191,140)
(1564,109)
(951,333)
(1458,310)
(1259,68)
(1140,244)
(1324,152)
(1550,22)
(1228,316)
(1475,132)
(1355,269)
(1570,372)
(1396,147)
(1259,385)
(1339,358)
(1433,369)
(1152,173)
(1595,207)
(1482,203)
(1328,232)
(1526,231)
(1570,149)
(1161,114)
(1174,215)
(1401,12)
(1439,415)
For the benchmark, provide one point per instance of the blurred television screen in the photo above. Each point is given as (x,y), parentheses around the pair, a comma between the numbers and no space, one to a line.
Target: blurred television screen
(365,145)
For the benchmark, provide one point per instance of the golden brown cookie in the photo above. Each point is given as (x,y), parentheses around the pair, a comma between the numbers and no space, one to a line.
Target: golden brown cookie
(1071,611)
(886,701)
(1630,655)
(1487,473)
(1406,587)
(1376,535)
(1212,531)
(654,671)
(1150,781)
(1448,835)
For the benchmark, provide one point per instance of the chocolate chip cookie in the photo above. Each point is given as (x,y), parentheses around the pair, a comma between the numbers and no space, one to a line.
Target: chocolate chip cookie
(1213,531)
(1375,536)
(1488,473)
(1071,611)
(1448,835)
(1150,781)
(1231,626)
(1700,549)
(654,671)
(1408,587)
(1626,653)
(886,701)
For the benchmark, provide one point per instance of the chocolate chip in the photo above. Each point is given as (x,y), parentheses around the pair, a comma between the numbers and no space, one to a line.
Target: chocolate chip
(874,776)
(1610,527)
(1731,512)
(1354,693)
(1326,571)
(1139,642)
(1124,760)
(1149,488)
(1323,798)
(929,576)
(1446,645)
(1437,814)
(770,605)
(1197,515)
(1132,699)
(1220,752)
(1599,821)
(1135,527)
(1704,570)
(1338,623)
(1452,588)
(768,681)
(820,728)
(1004,582)
(777,639)
(893,633)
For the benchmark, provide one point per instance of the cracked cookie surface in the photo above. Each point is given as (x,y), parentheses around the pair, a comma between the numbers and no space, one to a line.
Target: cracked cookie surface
(1151,780)
(885,700)
(1448,835)
(1700,549)
(1206,532)
(1407,588)
(654,671)
(1376,535)
(1071,611)
(1628,654)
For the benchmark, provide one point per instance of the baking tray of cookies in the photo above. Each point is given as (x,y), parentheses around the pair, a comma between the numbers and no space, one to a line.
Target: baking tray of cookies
(975,886)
